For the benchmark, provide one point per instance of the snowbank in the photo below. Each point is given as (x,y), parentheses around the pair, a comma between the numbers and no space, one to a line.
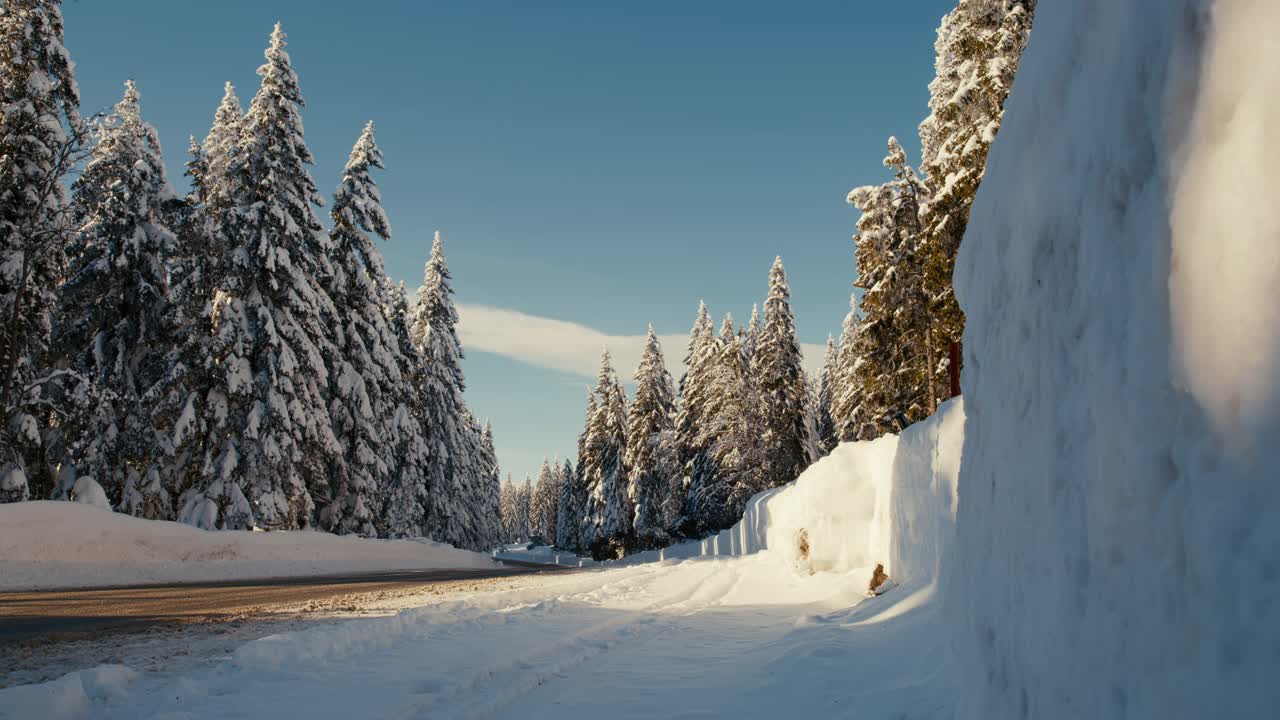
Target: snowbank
(1118,550)
(45,545)
(886,501)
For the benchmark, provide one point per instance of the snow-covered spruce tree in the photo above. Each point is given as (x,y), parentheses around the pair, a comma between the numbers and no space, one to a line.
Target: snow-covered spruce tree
(221,148)
(750,334)
(848,412)
(697,388)
(178,399)
(269,444)
(544,504)
(109,326)
(569,515)
(892,349)
(41,140)
(438,388)
(506,510)
(728,471)
(608,510)
(474,470)
(825,425)
(978,48)
(650,460)
(365,378)
(404,499)
(522,510)
(778,373)
(579,502)
(491,482)
(702,327)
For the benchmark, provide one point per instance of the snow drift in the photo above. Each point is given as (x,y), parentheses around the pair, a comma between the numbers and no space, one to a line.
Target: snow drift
(45,545)
(1117,548)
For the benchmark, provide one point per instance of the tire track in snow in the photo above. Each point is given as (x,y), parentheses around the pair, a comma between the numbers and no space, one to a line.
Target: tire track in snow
(498,687)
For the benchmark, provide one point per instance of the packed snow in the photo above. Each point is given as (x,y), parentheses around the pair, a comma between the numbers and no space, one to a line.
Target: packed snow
(746,626)
(1118,550)
(46,545)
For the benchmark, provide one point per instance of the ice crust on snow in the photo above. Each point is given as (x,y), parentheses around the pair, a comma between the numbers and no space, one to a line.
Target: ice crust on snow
(50,544)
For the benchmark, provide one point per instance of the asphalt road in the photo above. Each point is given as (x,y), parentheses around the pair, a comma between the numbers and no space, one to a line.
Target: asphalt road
(58,615)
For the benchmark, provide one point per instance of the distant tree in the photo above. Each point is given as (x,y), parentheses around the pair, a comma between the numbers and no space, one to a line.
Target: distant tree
(702,327)
(848,412)
(651,460)
(109,325)
(490,481)
(604,467)
(750,334)
(578,507)
(405,499)
(825,424)
(569,517)
(545,503)
(523,510)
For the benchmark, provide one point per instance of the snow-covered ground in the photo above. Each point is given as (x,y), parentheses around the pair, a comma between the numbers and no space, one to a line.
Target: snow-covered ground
(46,545)
(753,627)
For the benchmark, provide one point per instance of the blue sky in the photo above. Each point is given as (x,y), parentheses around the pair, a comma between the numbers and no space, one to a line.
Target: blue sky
(593,166)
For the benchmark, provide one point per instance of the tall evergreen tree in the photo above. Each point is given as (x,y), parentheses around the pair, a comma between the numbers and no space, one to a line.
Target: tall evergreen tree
(438,386)
(490,481)
(270,443)
(848,412)
(608,511)
(726,472)
(522,510)
(703,327)
(179,400)
(750,334)
(578,509)
(474,473)
(979,45)
(404,500)
(221,150)
(826,426)
(697,391)
(545,502)
(109,325)
(892,348)
(365,376)
(651,459)
(778,372)
(569,518)
(507,511)
(41,136)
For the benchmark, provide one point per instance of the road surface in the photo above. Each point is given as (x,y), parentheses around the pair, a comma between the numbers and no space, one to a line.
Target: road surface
(62,615)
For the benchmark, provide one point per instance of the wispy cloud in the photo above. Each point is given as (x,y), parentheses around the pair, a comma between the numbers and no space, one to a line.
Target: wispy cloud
(567,346)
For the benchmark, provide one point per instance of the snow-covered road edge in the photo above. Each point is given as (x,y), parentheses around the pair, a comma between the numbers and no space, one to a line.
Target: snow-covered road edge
(62,545)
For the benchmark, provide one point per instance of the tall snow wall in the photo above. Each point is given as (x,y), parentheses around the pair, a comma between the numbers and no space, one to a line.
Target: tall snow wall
(1118,526)
(891,501)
